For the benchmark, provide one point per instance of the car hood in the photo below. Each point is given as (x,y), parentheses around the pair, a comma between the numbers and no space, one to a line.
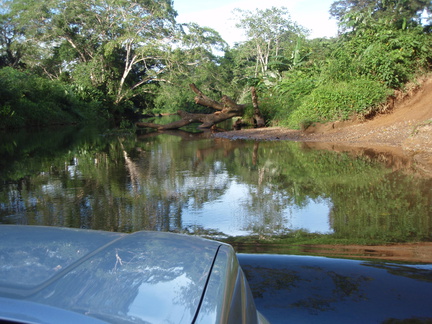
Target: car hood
(140,277)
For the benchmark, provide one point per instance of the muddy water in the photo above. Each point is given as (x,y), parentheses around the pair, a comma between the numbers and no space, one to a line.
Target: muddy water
(193,183)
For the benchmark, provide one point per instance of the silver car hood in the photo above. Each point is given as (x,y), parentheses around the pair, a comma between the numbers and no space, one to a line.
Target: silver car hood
(144,277)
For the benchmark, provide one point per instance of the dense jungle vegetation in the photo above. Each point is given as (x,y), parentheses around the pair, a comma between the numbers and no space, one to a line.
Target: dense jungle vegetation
(64,61)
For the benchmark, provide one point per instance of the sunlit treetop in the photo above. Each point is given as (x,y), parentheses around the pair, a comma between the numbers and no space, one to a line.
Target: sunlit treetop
(399,14)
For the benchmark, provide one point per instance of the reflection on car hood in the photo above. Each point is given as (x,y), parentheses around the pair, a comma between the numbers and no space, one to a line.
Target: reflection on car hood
(308,289)
(140,277)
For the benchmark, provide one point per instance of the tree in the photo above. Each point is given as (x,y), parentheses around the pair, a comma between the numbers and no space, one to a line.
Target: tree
(10,48)
(119,48)
(192,60)
(267,32)
(225,109)
(354,15)
(121,44)
(384,40)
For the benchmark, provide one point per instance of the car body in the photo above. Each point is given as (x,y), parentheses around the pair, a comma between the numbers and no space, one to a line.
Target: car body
(63,275)
(311,289)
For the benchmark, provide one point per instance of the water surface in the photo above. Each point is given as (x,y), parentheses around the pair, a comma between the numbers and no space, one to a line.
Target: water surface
(194,183)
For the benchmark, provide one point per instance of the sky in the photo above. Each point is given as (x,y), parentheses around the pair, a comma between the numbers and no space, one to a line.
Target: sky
(217,14)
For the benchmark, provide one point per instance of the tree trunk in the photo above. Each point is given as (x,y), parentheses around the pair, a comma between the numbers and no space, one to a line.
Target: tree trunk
(258,118)
(226,109)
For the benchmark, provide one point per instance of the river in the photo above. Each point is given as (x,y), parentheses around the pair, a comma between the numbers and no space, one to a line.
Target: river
(193,183)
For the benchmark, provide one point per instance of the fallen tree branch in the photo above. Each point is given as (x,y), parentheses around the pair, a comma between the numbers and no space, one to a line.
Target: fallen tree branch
(226,109)
(203,100)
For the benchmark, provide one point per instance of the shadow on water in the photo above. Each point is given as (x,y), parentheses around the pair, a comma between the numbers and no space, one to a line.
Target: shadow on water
(194,183)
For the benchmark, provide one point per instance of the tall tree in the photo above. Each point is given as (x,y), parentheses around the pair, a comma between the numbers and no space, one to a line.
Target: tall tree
(357,14)
(194,60)
(267,31)
(110,38)
(11,48)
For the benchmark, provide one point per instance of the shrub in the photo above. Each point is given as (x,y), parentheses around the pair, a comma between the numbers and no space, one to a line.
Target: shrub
(285,97)
(29,100)
(389,56)
(338,101)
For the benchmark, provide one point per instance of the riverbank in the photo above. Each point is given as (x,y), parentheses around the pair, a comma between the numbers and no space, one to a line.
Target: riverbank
(405,132)
(417,252)
(402,138)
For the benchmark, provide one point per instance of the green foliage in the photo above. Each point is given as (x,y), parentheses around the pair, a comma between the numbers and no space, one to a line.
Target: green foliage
(29,100)
(286,96)
(171,99)
(120,57)
(295,85)
(338,101)
(272,36)
(211,74)
(397,58)
(357,76)
(10,49)
(120,43)
(391,56)
(359,15)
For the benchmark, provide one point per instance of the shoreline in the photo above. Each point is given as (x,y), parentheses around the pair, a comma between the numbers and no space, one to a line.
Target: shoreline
(406,145)
(404,131)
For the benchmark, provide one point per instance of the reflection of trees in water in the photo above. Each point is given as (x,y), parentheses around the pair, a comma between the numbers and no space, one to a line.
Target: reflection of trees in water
(121,187)
(391,208)
(265,210)
(124,183)
(368,200)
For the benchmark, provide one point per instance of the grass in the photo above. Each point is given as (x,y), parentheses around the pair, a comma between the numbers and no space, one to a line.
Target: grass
(299,238)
